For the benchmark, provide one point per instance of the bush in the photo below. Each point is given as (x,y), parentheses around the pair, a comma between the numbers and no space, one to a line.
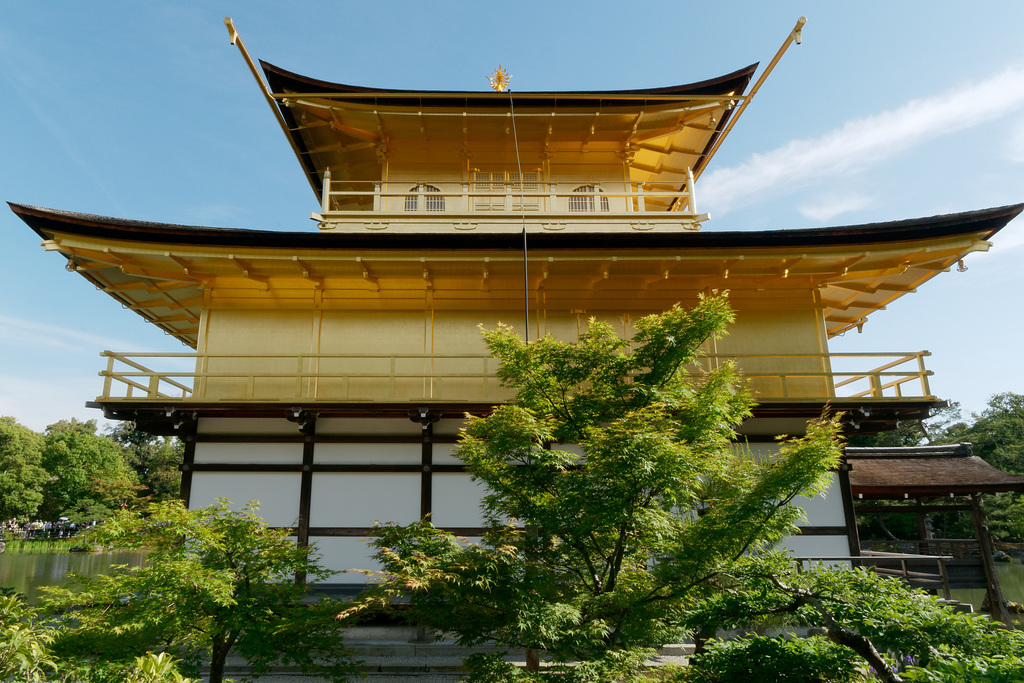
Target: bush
(24,642)
(780,660)
(978,669)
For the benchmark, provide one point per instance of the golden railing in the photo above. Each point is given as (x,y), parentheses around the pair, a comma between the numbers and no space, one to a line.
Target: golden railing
(323,377)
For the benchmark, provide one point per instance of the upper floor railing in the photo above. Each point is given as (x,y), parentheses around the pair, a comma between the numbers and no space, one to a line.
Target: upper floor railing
(468,378)
(429,198)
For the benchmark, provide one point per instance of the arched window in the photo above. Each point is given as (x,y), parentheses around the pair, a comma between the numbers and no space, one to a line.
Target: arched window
(585,200)
(433,200)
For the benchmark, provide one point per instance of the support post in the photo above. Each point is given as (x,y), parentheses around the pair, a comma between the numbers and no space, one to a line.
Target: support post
(325,194)
(691,199)
(308,428)
(188,460)
(1000,610)
(849,514)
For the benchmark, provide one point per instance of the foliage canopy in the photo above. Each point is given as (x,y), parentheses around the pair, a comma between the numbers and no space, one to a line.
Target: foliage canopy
(77,459)
(902,634)
(21,474)
(215,580)
(615,496)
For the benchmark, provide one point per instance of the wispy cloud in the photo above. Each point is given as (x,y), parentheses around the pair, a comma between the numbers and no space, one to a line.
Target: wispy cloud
(863,142)
(27,333)
(827,207)
(1015,145)
(1010,237)
(214,214)
(18,64)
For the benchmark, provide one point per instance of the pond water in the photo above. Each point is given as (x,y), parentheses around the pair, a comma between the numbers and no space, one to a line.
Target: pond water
(25,573)
(1011,580)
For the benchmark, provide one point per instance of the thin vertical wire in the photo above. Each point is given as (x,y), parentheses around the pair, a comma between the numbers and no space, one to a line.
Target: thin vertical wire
(522,209)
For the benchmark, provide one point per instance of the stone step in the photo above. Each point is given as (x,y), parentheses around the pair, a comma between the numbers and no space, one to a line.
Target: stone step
(385,660)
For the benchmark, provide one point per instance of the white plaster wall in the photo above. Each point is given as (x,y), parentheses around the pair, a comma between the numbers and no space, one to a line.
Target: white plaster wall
(368,453)
(448,427)
(249,453)
(575,449)
(442,454)
(355,499)
(816,546)
(342,554)
(821,510)
(455,500)
(825,510)
(278,493)
(760,451)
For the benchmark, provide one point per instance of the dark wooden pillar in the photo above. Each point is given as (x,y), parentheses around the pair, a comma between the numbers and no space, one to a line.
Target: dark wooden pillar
(307,426)
(852,535)
(427,475)
(306,482)
(187,461)
(426,419)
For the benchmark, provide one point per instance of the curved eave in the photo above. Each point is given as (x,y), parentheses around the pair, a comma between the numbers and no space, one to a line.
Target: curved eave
(926,492)
(284,84)
(983,224)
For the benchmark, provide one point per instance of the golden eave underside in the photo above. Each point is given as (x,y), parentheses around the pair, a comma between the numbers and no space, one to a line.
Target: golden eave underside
(170,286)
(658,142)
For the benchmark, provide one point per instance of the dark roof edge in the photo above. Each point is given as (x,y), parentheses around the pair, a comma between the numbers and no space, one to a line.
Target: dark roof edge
(956,450)
(984,221)
(282,79)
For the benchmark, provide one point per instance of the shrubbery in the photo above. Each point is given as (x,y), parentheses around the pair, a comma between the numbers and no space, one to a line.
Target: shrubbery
(780,660)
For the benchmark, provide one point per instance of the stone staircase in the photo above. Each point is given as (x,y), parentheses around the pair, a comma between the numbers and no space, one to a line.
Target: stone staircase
(401,654)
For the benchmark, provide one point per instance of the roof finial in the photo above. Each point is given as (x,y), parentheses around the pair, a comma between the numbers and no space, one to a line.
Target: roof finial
(499,79)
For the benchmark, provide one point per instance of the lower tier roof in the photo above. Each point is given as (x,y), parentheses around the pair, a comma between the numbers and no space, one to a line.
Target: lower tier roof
(925,472)
(165,272)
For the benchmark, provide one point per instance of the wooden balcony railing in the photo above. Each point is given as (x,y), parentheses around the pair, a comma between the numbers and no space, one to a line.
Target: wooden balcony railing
(581,198)
(955,548)
(336,378)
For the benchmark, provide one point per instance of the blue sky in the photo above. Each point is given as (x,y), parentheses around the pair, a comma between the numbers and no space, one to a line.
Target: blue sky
(143,110)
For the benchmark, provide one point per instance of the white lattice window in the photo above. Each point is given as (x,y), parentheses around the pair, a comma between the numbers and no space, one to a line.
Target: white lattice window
(587,198)
(500,184)
(433,200)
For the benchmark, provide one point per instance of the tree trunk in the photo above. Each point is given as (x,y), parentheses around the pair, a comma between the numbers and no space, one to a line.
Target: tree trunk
(218,658)
(532,659)
(866,649)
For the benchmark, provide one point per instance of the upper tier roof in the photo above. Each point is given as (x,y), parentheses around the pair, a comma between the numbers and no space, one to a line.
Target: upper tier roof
(162,271)
(660,133)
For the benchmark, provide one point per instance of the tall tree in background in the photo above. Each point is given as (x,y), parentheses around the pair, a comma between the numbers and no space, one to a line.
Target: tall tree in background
(21,474)
(79,461)
(997,432)
(155,459)
(616,497)
(997,435)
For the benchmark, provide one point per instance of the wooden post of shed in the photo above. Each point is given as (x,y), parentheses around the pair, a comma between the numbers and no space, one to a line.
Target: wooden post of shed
(1000,610)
